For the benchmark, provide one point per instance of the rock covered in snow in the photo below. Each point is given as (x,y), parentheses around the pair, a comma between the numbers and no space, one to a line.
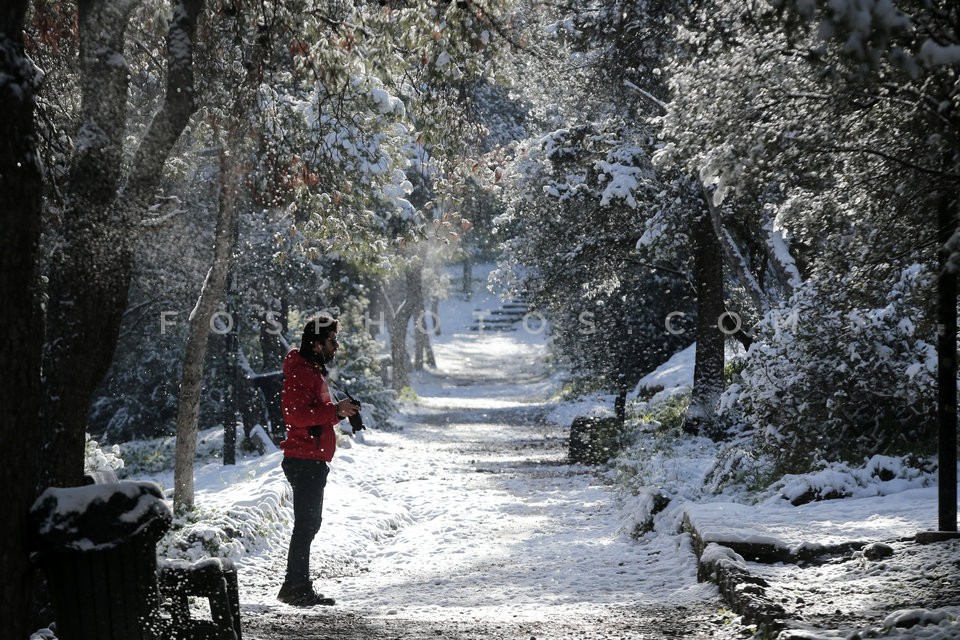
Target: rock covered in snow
(98,517)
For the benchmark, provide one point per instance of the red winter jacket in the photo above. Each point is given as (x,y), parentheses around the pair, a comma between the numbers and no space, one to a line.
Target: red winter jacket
(307,403)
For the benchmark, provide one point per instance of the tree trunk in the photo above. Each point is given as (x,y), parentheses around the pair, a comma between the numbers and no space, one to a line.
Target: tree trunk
(467,280)
(708,364)
(21,184)
(272,328)
(420,339)
(620,405)
(212,293)
(947,364)
(397,326)
(235,411)
(727,247)
(232,411)
(90,274)
(434,330)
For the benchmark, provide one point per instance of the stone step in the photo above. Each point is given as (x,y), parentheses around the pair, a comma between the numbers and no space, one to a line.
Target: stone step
(492,327)
(492,320)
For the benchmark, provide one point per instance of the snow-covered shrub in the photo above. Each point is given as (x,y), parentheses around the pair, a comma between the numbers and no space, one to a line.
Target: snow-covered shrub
(880,475)
(827,380)
(657,466)
(207,532)
(674,466)
(154,455)
(740,466)
(669,412)
(98,458)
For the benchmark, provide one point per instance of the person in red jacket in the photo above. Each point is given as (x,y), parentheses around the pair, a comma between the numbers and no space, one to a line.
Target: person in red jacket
(310,415)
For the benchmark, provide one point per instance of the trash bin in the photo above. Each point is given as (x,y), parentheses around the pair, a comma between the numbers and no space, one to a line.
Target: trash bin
(97,548)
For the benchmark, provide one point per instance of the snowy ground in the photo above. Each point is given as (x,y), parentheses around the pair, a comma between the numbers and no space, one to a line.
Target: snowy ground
(468,523)
(492,527)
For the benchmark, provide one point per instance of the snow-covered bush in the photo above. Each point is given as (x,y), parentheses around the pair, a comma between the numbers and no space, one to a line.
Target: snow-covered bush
(668,414)
(98,458)
(880,475)
(659,465)
(829,380)
(209,532)
(654,459)
(154,455)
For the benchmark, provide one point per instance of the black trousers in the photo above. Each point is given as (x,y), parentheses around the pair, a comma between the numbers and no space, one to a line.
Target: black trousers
(308,479)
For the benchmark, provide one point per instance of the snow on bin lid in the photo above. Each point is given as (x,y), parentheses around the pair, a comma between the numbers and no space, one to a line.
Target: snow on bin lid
(99,516)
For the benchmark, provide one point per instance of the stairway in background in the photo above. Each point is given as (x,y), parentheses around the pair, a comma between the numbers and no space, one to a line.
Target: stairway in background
(508,316)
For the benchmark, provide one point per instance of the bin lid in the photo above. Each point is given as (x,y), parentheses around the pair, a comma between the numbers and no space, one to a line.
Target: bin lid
(100,516)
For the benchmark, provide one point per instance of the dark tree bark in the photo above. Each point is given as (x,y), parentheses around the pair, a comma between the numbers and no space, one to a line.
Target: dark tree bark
(273,351)
(232,355)
(91,272)
(432,326)
(947,364)
(708,364)
(20,350)
(620,404)
(272,327)
(467,280)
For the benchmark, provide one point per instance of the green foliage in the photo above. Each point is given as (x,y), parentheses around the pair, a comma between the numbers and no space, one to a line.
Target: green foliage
(828,380)
(408,394)
(154,455)
(668,415)
(732,369)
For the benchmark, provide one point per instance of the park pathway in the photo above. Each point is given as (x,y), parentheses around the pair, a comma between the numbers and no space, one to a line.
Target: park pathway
(501,537)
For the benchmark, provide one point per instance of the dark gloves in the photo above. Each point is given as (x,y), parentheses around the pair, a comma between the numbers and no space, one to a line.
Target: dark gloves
(356,420)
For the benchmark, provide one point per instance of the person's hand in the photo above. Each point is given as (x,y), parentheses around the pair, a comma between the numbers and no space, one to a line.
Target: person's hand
(356,423)
(346,408)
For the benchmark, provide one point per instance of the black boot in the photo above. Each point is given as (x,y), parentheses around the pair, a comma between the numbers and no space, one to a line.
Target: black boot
(302,595)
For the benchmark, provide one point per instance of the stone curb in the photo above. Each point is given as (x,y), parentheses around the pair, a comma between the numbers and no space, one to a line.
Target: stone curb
(721,562)
(744,593)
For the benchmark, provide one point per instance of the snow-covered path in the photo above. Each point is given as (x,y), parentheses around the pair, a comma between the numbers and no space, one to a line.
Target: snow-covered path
(470,516)
(497,524)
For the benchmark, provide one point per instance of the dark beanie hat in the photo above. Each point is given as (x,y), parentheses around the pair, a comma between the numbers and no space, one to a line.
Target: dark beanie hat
(317,329)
